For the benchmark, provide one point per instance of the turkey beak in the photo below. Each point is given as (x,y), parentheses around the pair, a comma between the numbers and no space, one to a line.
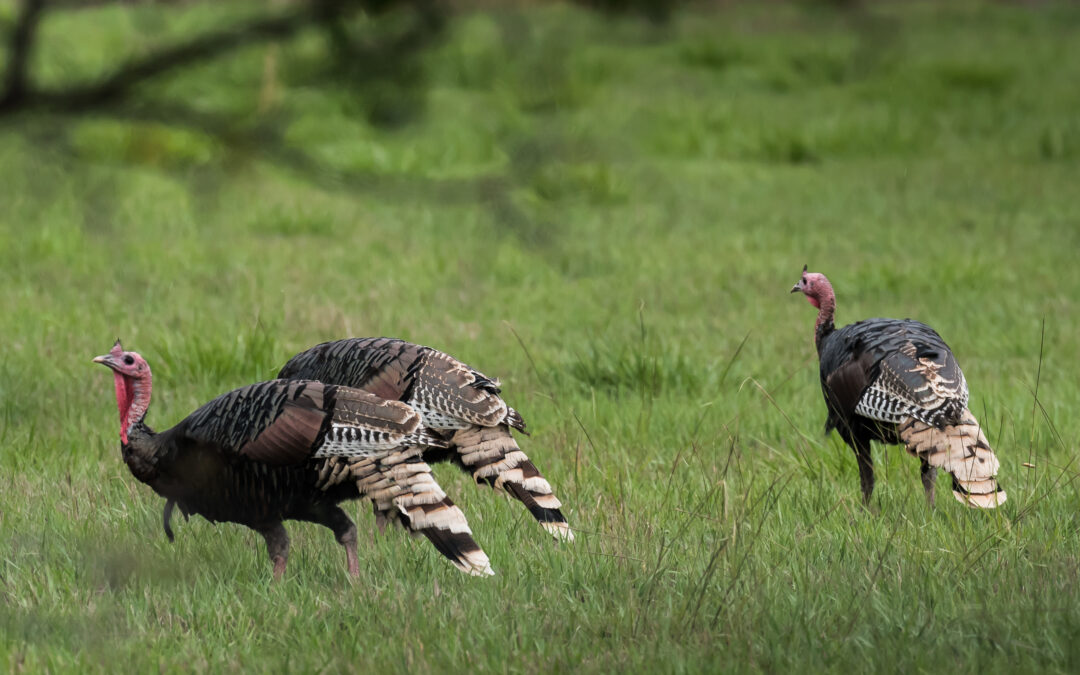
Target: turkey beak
(796,288)
(105,360)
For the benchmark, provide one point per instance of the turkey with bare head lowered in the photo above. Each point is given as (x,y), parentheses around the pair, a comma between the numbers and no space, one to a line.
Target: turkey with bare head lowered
(290,450)
(896,381)
(458,401)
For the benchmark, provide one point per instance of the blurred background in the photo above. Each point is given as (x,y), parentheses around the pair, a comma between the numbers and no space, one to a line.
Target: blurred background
(604,204)
(331,163)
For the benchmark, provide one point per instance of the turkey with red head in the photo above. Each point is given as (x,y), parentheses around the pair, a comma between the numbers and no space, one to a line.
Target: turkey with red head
(896,381)
(290,450)
(458,401)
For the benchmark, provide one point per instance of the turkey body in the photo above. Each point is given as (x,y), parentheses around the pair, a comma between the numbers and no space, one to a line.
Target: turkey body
(458,401)
(896,381)
(881,371)
(201,481)
(207,467)
(290,450)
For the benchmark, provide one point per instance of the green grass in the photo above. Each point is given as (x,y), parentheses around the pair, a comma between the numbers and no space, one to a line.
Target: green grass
(630,204)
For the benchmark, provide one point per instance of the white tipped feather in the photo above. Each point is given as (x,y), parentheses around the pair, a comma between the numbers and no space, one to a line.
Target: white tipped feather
(560,531)
(450,519)
(988,501)
(476,564)
(548,501)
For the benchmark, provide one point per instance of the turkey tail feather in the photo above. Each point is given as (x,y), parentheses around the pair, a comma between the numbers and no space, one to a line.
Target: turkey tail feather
(492,456)
(963,451)
(403,490)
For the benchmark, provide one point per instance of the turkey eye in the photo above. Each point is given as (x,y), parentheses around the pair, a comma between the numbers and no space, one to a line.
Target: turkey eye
(129,360)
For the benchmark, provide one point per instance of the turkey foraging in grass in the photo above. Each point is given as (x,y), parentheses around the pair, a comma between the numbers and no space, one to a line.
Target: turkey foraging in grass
(290,450)
(898,382)
(454,399)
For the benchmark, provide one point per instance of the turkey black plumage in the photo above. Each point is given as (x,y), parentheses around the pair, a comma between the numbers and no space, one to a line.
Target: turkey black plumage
(896,381)
(459,401)
(290,450)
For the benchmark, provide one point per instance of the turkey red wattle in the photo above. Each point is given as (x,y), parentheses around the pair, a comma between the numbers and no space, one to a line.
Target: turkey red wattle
(132,382)
(819,293)
(125,395)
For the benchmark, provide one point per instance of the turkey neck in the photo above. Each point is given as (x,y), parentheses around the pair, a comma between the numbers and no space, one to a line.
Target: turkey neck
(824,326)
(140,446)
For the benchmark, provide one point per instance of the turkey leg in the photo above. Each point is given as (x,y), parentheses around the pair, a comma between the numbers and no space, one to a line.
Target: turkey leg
(277,545)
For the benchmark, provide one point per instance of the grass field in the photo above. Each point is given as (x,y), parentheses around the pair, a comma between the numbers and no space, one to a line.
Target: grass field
(608,215)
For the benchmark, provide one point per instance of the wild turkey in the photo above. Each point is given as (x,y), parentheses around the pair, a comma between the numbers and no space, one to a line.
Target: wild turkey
(290,450)
(454,399)
(898,382)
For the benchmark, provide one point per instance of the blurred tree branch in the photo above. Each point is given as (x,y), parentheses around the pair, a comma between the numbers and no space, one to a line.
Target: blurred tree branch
(20,94)
(22,39)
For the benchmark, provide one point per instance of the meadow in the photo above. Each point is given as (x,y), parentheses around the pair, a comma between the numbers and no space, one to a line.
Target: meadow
(608,215)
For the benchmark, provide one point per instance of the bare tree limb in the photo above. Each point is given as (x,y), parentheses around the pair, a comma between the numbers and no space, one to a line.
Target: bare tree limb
(19,94)
(22,39)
